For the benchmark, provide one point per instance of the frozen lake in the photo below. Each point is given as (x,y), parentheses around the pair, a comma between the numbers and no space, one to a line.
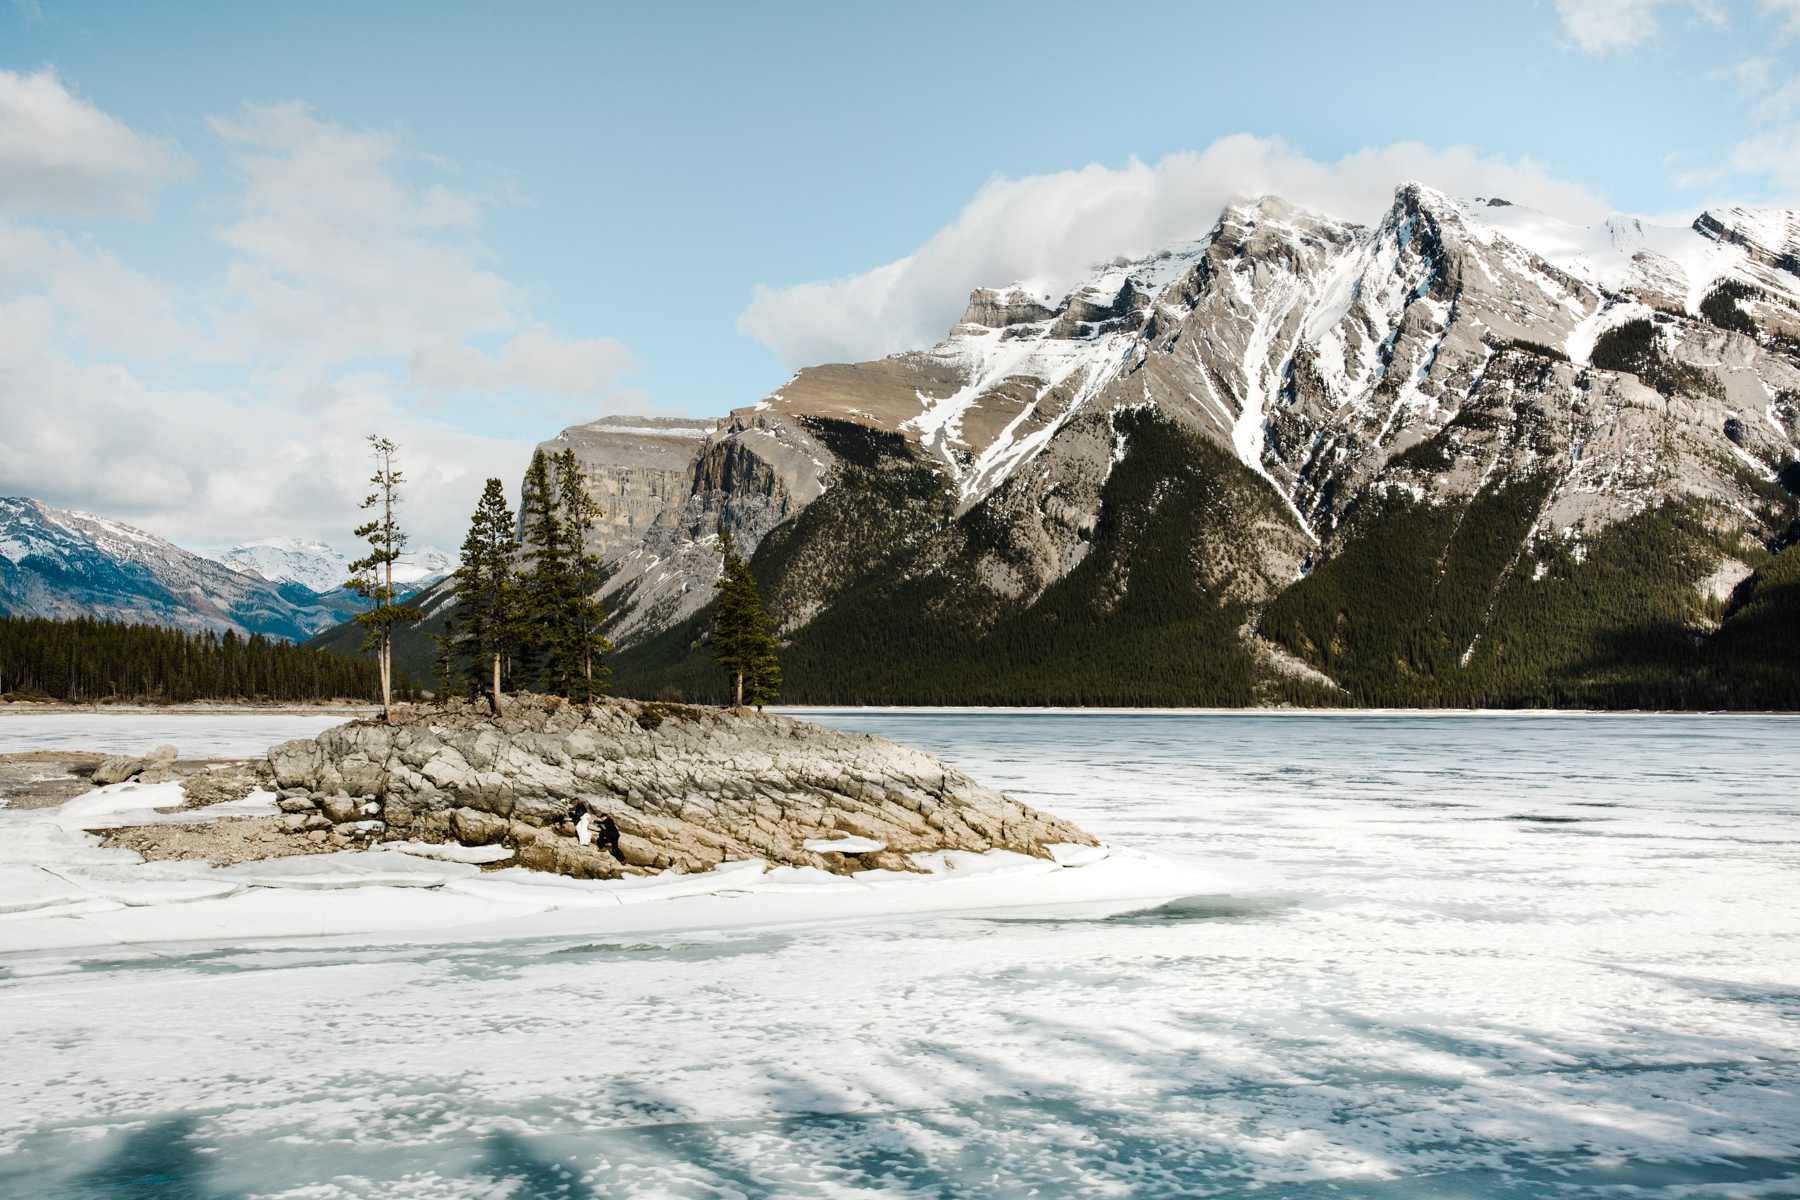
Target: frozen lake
(1422,957)
(195,734)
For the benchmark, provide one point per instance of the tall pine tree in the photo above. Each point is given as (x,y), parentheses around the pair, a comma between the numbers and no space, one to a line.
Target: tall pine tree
(743,637)
(546,576)
(580,642)
(446,657)
(488,591)
(372,576)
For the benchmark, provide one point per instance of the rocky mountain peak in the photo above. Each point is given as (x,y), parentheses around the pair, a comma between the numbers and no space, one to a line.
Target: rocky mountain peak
(1765,232)
(1003,307)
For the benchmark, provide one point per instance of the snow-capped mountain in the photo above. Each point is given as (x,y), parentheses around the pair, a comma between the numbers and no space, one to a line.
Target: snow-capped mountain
(1468,453)
(322,568)
(56,563)
(313,565)
(423,567)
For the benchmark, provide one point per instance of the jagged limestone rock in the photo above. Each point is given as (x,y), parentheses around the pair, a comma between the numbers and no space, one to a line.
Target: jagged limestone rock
(622,786)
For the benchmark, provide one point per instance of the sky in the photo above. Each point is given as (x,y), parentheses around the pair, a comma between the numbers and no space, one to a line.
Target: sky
(237,239)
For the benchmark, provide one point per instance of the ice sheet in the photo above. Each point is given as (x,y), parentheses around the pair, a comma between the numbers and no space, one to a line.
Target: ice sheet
(194,734)
(1426,956)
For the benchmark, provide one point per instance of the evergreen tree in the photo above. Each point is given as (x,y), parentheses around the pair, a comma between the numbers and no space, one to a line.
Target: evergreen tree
(743,638)
(445,657)
(546,577)
(580,643)
(372,576)
(488,591)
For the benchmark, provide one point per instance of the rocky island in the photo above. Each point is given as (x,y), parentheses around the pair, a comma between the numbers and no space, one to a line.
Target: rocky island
(608,789)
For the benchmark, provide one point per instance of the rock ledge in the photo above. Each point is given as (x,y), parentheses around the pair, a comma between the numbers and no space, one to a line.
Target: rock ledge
(623,787)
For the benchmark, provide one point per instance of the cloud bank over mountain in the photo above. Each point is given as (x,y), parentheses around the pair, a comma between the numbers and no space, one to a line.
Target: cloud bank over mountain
(1049,230)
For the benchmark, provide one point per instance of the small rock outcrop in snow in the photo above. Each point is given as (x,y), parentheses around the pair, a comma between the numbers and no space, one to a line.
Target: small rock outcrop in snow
(120,768)
(652,786)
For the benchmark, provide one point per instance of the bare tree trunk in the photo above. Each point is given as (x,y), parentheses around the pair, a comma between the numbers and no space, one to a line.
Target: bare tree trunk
(496,685)
(387,638)
(387,676)
(740,689)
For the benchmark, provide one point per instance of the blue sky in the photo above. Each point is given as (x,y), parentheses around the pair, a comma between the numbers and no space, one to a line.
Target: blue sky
(474,224)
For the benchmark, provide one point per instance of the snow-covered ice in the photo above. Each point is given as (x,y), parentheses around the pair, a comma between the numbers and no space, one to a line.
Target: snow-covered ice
(195,734)
(846,845)
(1372,956)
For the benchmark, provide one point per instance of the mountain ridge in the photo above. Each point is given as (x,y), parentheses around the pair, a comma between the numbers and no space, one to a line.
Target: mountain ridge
(324,569)
(1427,399)
(62,563)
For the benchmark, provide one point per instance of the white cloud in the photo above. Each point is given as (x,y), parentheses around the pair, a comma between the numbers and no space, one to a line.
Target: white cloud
(1774,155)
(1786,13)
(1052,228)
(339,257)
(114,308)
(207,468)
(57,151)
(534,360)
(1752,75)
(1771,157)
(352,278)
(1607,26)
(1778,102)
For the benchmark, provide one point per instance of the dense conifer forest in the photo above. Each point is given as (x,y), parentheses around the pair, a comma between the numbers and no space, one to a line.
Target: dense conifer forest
(86,660)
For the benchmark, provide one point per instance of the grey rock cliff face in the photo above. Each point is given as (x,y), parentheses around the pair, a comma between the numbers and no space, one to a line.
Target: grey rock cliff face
(622,787)
(637,468)
(668,487)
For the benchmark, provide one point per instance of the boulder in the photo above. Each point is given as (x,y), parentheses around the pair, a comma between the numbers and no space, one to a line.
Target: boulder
(121,767)
(117,769)
(473,827)
(340,808)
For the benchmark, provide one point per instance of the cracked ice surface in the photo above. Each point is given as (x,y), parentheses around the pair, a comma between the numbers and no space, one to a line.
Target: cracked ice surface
(1420,956)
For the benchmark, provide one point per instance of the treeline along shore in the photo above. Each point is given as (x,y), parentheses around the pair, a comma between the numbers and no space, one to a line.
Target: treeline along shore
(86,660)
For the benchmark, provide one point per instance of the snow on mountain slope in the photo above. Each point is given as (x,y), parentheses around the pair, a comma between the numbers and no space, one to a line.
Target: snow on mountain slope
(56,563)
(1309,345)
(1319,351)
(1671,266)
(323,569)
(1028,373)
(313,565)
(422,566)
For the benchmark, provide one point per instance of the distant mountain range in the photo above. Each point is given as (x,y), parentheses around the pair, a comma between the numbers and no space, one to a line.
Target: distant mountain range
(57,563)
(323,569)
(1469,454)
